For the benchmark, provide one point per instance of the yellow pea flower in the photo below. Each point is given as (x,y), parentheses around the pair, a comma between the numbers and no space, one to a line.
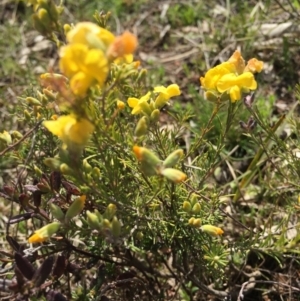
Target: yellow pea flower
(83,66)
(212,76)
(70,129)
(91,35)
(44,233)
(165,94)
(234,85)
(232,77)
(137,104)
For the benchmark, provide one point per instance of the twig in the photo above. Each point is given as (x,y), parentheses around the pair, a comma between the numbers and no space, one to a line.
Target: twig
(22,139)
(241,295)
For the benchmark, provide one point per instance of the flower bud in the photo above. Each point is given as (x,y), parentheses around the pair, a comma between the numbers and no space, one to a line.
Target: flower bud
(27,115)
(186,206)
(174,175)
(75,208)
(5,137)
(93,220)
(173,158)
(106,224)
(110,211)
(120,105)
(65,169)
(45,232)
(115,227)
(142,76)
(145,108)
(212,230)
(54,11)
(37,171)
(53,163)
(39,25)
(86,166)
(142,127)
(194,199)
(99,215)
(196,208)
(16,135)
(67,28)
(191,221)
(149,161)
(155,115)
(44,17)
(50,95)
(57,212)
(197,222)
(96,174)
(33,101)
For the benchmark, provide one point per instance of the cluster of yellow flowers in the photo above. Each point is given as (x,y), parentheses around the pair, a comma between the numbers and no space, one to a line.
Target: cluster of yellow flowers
(231,79)
(143,106)
(86,61)
(90,51)
(149,106)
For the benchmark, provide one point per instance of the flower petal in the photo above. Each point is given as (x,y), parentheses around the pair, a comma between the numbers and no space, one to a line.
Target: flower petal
(132,102)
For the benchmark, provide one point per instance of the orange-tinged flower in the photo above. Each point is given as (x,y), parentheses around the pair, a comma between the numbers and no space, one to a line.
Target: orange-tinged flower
(123,45)
(136,104)
(174,175)
(254,65)
(70,129)
(237,60)
(212,230)
(44,233)
(234,85)
(149,161)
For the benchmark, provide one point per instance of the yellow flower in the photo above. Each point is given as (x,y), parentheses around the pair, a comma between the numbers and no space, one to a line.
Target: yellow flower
(44,233)
(230,79)
(83,66)
(91,35)
(70,129)
(234,85)
(213,75)
(165,94)
(137,104)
